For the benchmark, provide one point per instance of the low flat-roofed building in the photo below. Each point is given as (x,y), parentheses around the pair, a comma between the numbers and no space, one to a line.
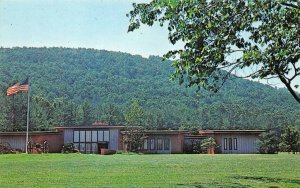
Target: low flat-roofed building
(91,139)
(234,141)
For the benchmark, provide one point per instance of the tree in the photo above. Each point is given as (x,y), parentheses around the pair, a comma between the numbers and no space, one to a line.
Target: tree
(208,143)
(268,143)
(135,114)
(112,115)
(41,114)
(134,117)
(263,36)
(87,113)
(290,140)
(134,138)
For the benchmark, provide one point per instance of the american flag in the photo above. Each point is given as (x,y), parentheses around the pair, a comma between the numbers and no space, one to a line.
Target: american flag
(23,86)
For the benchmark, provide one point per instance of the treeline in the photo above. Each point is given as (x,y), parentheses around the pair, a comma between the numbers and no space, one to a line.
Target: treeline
(75,87)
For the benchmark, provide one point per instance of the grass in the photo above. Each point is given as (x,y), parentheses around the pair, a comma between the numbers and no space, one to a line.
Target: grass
(121,170)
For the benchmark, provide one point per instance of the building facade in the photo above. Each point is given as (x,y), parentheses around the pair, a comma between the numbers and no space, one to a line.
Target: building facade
(234,141)
(91,139)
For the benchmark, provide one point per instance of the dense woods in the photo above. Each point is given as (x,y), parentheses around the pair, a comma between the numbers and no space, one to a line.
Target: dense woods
(75,87)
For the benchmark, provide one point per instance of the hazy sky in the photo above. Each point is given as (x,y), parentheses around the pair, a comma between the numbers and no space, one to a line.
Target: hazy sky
(99,24)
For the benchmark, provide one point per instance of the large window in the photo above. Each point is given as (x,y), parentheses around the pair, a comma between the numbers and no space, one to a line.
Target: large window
(235,143)
(167,144)
(225,143)
(145,144)
(230,143)
(152,144)
(86,141)
(159,144)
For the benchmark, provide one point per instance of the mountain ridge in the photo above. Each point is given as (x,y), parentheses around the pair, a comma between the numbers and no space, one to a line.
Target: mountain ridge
(100,78)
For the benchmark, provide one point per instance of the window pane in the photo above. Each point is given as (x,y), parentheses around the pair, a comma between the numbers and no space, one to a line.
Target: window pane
(235,143)
(159,144)
(88,136)
(225,143)
(94,148)
(230,143)
(82,147)
(167,144)
(88,148)
(145,144)
(152,144)
(106,136)
(94,136)
(82,136)
(76,136)
(100,136)
(76,145)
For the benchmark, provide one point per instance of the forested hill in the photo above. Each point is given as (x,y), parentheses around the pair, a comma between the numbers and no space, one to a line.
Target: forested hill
(80,86)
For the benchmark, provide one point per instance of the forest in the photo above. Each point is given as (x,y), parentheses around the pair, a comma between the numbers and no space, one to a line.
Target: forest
(76,87)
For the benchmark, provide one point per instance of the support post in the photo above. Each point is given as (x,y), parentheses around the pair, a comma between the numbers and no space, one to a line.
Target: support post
(27,125)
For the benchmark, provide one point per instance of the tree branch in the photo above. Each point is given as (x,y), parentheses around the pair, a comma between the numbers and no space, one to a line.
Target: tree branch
(291,5)
(288,86)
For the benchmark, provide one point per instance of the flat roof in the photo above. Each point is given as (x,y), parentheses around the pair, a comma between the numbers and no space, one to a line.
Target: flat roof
(30,133)
(194,136)
(231,131)
(92,127)
(159,132)
(166,131)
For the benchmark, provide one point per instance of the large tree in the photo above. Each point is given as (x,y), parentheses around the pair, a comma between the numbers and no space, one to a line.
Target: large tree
(290,139)
(255,38)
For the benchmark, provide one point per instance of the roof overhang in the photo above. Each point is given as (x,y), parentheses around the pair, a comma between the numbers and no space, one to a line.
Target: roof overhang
(231,131)
(30,133)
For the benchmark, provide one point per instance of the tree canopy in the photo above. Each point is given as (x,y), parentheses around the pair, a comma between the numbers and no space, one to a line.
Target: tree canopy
(260,37)
(75,87)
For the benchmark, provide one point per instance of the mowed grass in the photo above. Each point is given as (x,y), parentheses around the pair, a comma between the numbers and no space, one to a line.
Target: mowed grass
(123,170)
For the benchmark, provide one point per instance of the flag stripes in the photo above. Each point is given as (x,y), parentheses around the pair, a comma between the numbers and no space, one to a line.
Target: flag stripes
(18,87)
(24,86)
(13,89)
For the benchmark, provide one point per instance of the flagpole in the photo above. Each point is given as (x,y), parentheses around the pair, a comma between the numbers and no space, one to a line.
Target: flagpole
(27,127)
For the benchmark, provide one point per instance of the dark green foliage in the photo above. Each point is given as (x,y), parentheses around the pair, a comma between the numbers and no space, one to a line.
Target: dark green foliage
(200,145)
(198,148)
(134,139)
(109,113)
(134,116)
(74,87)
(87,114)
(262,36)
(290,140)
(268,143)
(69,148)
(208,143)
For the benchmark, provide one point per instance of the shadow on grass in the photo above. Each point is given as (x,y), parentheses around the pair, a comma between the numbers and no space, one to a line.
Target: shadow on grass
(213,184)
(268,179)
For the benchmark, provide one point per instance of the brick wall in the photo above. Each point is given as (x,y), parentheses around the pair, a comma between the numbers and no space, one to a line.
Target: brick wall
(55,141)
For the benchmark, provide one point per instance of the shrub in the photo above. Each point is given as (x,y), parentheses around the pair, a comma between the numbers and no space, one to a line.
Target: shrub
(268,143)
(69,148)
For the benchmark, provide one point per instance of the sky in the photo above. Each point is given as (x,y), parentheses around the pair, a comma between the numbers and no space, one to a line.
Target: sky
(98,24)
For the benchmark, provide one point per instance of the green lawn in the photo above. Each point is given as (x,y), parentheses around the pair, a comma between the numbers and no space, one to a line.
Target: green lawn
(121,170)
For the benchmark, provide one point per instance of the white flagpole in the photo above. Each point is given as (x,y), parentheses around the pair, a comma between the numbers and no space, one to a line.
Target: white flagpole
(27,119)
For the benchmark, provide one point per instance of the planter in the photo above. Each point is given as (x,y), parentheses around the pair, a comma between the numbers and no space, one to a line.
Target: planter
(107,152)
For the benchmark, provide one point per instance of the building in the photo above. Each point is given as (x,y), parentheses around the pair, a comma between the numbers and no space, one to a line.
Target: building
(17,140)
(163,141)
(234,141)
(91,139)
